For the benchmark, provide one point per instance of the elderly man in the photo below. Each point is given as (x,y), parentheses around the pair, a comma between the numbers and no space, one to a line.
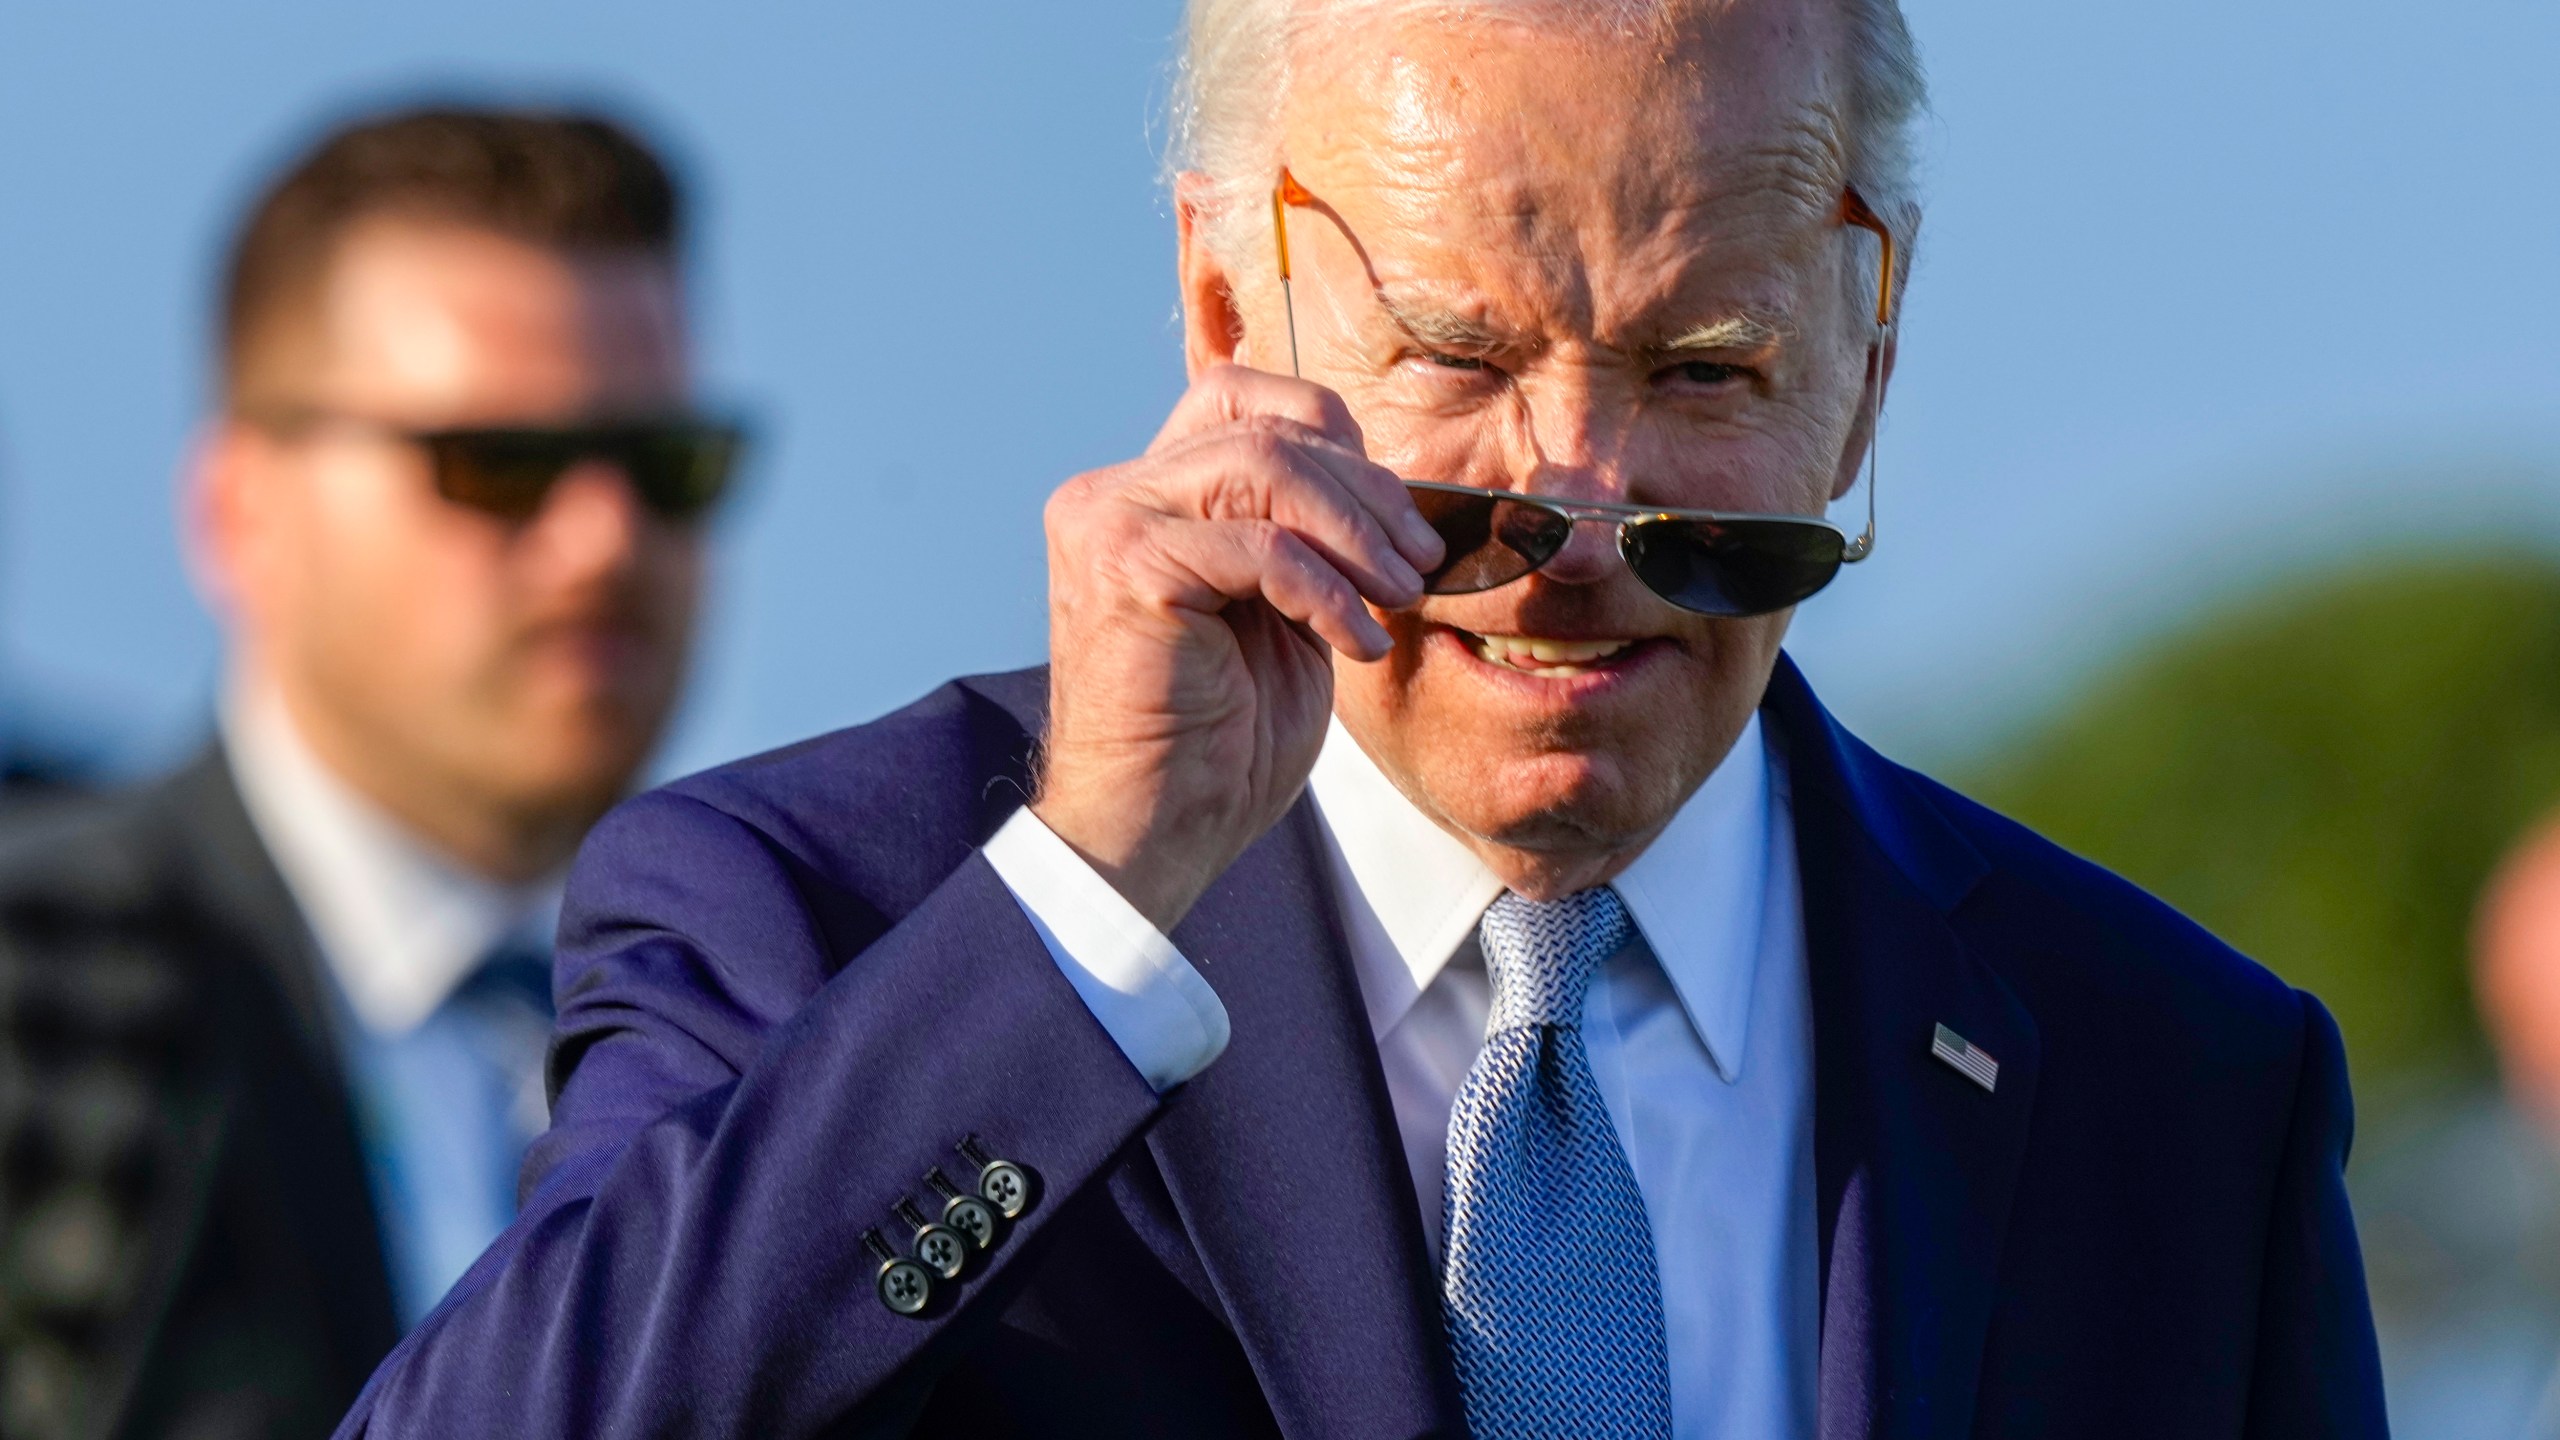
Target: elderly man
(1450,976)
(276,1024)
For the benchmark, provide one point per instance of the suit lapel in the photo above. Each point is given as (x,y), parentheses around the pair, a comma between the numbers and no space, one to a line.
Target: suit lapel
(1914,1163)
(286,1053)
(1282,1163)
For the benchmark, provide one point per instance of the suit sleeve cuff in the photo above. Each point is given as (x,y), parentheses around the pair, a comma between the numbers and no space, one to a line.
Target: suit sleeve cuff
(1146,996)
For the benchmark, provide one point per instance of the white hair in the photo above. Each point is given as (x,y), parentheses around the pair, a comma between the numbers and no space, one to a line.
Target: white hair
(1236,61)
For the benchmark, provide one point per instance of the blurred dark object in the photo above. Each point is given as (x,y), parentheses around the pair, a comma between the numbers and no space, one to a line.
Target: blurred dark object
(2323,774)
(50,752)
(29,771)
(186,1242)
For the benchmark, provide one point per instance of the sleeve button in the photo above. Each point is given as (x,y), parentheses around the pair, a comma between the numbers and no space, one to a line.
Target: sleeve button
(972,1217)
(967,1214)
(1001,1183)
(943,1250)
(903,1285)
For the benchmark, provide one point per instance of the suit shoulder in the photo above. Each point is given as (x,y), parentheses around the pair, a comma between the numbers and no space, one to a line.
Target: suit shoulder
(98,853)
(105,960)
(2058,918)
(886,808)
(936,753)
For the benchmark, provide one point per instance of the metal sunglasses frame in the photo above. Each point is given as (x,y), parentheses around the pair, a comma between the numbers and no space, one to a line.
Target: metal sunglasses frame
(1624,514)
(1854,212)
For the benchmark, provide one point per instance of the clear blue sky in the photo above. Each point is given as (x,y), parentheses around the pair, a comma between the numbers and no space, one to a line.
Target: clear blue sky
(2205,287)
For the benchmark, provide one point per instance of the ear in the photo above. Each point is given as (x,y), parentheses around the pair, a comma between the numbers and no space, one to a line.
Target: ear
(1862,429)
(226,515)
(1212,321)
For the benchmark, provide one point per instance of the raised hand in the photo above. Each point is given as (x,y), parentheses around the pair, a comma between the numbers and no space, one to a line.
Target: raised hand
(1195,595)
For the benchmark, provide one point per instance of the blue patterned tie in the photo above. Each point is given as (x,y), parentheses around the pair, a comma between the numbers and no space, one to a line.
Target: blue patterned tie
(1549,1287)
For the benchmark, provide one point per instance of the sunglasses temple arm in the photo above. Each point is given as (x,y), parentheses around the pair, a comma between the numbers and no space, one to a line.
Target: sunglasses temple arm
(1865,545)
(1289,306)
(1854,210)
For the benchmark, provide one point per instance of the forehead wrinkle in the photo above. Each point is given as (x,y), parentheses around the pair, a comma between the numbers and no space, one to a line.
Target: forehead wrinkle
(1808,161)
(1467,216)
(1802,166)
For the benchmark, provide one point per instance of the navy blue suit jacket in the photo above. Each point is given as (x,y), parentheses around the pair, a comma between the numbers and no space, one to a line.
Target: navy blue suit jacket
(789,986)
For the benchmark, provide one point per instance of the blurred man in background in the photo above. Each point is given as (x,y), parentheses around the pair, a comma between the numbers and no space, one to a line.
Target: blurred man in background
(279,1019)
(2516,979)
(2516,959)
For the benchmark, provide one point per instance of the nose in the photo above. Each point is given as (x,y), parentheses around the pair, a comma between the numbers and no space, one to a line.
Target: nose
(1573,450)
(591,524)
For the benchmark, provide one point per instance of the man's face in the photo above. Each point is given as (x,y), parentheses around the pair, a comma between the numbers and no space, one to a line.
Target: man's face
(431,650)
(1588,266)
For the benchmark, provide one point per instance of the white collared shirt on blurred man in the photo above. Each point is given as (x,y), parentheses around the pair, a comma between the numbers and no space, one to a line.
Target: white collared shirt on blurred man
(447,1094)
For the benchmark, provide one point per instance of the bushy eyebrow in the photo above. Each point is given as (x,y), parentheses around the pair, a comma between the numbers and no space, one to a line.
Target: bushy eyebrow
(1440,329)
(1732,332)
(1437,328)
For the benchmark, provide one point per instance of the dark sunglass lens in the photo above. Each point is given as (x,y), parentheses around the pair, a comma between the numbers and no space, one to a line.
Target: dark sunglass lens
(1487,541)
(681,471)
(1732,568)
(503,472)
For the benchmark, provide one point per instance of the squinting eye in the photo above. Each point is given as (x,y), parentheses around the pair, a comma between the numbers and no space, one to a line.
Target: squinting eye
(1708,372)
(1458,362)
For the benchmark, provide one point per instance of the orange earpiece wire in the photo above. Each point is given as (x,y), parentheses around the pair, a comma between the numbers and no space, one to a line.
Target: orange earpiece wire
(1854,210)
(1283,195)
(1280,230)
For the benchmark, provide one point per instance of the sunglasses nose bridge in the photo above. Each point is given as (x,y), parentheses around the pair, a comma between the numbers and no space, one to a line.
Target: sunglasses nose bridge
(1590,552)
(594,480)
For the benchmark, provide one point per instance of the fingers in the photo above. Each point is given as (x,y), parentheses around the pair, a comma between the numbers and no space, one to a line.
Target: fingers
(1381,492)
(1207,564)
(1322,493)
(1271,446)
(1227,394)
(1232,397)
(1258,488)
(1113,543)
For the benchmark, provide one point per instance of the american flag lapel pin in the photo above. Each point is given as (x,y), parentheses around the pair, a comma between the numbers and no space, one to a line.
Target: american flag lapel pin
(1973,1064)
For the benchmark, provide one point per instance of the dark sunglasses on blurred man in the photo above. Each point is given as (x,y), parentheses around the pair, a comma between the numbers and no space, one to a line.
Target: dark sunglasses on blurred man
(679,466)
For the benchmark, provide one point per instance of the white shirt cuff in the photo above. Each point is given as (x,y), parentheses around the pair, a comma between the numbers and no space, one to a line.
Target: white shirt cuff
(1155,1007)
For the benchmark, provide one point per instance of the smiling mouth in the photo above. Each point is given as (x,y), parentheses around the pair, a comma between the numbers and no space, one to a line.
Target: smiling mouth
(1548,659)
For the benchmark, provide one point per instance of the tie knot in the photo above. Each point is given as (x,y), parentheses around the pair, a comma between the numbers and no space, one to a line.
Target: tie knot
(1541,954)
(512,976)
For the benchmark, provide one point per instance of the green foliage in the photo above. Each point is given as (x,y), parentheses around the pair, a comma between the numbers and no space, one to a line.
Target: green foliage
(2325,775)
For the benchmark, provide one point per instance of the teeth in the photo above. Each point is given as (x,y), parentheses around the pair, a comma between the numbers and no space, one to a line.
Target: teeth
(1558,658)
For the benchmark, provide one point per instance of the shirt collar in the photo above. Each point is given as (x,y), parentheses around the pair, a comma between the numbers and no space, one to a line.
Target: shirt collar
(1411,893)
(399,924)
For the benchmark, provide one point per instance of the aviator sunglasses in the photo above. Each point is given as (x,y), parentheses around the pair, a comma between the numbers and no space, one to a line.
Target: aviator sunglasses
(679,466)
(1709,562)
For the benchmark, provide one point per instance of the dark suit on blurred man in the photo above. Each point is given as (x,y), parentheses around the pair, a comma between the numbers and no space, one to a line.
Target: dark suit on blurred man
(274,1024)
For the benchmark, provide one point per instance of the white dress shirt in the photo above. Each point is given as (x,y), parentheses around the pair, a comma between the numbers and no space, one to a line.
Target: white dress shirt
(400,927)
(398,924)
(1699,1035)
